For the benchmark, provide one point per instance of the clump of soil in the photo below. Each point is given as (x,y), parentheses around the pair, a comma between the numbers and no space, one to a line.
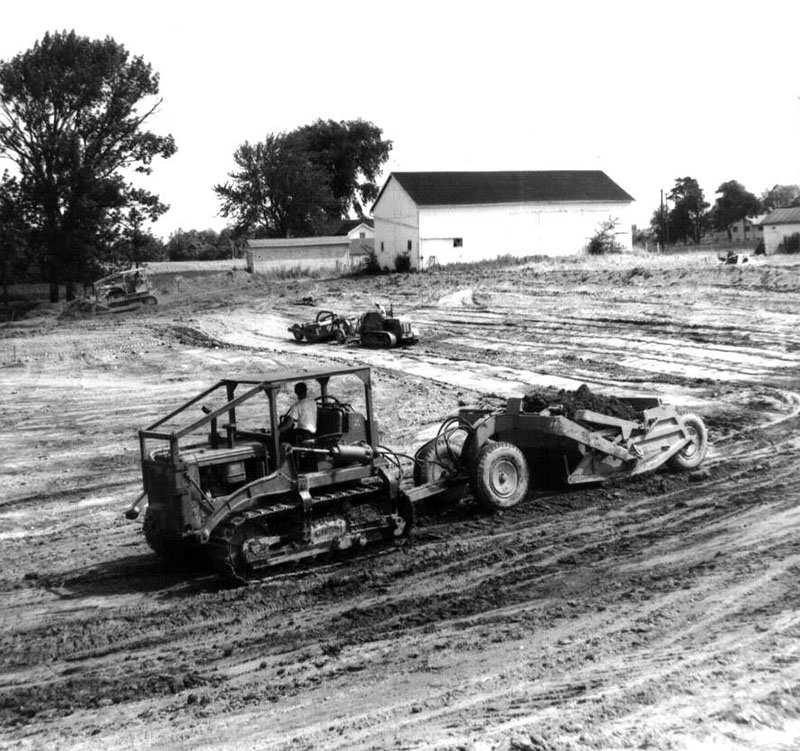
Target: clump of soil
(562,402)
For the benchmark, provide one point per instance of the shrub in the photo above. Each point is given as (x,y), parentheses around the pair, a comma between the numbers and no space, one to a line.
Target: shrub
(294,272)
(402,263)
(790,244)
(370,266)
(603,241)
(760,249)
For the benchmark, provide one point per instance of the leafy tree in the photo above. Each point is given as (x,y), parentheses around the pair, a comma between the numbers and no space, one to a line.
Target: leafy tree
(351,154)
(201,245)
(687,217)
(135,248)
(13,233)
(277,190)
(71,117)
(299,183)
(733,204)
(780,196)
(658,224)
(134,243)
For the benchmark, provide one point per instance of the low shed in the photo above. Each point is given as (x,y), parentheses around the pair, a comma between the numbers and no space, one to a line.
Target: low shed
(307,253)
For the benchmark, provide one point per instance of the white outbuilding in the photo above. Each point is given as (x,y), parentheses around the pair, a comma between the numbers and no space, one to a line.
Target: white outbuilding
(439,218)
(778,225)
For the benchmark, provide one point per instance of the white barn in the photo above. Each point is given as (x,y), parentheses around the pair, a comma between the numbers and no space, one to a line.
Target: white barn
(778,225)
(452,217)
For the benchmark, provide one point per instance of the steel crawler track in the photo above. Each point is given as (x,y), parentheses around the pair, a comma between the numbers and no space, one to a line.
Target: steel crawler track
(226,545)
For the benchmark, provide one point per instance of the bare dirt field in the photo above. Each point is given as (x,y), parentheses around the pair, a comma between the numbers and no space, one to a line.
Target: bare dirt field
(657,613)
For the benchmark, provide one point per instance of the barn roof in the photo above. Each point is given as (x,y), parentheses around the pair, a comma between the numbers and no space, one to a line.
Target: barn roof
(460,188)
(782,216)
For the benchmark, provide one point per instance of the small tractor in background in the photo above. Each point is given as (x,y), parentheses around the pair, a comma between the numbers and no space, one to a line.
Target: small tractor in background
(239,492)
(372,329)
(377,329)
(115,293)
(125,288)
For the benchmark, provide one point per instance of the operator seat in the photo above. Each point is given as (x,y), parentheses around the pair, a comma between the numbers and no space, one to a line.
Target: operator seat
(330,425)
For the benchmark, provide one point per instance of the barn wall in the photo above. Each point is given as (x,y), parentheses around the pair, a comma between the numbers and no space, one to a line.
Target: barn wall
(396,219)
(486,232)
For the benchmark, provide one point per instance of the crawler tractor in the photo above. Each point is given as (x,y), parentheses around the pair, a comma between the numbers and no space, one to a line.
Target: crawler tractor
(376,329)
(218,475)
(125,288)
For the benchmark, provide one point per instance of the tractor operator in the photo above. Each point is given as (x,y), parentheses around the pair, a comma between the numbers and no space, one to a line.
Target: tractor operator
(300,422)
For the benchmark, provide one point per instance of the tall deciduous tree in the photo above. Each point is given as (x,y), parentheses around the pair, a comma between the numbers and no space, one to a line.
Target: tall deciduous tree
(72,111)
(351,153)
(13,233)
(687,217)
(298,183)
(780,197)
(733,204)
(276,191)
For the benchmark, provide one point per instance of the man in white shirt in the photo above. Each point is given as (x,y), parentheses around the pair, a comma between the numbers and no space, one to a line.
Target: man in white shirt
(300,422)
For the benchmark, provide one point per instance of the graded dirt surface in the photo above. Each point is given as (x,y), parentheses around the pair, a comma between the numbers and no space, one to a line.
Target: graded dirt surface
(661,612)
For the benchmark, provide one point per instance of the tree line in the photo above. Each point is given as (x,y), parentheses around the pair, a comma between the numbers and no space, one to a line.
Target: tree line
(73,123)
(685,216)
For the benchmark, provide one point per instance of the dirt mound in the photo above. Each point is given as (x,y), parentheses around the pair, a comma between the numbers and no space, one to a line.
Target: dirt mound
(460,298)
(560,401)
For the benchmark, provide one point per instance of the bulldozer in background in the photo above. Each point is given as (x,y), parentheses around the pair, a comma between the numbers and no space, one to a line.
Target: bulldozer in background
(116,293)
(132,286)
(377,329)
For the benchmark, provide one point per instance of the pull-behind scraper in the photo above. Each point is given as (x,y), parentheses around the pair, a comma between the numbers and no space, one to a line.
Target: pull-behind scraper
(215,479)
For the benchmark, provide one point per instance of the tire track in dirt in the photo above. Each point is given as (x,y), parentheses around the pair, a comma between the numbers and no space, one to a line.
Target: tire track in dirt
(635,614)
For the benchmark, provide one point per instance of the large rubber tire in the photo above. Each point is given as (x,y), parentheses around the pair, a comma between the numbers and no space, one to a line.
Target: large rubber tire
(692,455)
(499,476)
(297,333)
(437,459)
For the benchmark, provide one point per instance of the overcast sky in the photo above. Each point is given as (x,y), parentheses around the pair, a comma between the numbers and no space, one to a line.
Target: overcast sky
(647,92)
